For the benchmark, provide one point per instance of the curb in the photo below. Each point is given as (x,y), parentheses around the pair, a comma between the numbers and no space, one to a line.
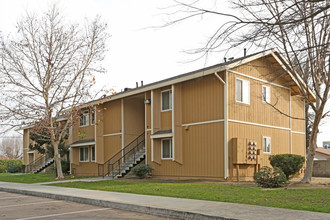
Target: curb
(122,206)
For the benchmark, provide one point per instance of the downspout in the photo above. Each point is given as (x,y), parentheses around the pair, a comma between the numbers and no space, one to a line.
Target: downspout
(225,110)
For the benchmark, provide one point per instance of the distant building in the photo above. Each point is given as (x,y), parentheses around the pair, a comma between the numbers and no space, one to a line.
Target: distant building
(322,154)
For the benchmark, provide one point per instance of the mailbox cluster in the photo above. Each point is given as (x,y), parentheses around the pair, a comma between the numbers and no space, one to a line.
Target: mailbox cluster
(252,150)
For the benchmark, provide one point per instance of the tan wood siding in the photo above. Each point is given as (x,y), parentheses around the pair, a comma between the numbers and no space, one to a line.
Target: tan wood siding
(202,100)
(99,141)
(298,111)
(177,137)
(298,144)
(112,117)
(155,105)
(166,120)
(202,153)
(112,145)
(133,118)
(258,111)
(280,143)
(148,110)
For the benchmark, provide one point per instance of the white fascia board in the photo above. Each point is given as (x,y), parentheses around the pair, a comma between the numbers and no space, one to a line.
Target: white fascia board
(278,55)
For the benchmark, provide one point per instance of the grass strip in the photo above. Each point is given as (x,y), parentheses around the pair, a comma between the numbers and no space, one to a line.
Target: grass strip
(317,200)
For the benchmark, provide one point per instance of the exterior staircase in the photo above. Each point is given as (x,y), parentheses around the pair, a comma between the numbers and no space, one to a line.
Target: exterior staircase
(127,165)
(123,161)
(39,164)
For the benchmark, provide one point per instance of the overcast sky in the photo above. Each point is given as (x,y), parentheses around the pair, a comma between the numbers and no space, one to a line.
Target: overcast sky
(137,51)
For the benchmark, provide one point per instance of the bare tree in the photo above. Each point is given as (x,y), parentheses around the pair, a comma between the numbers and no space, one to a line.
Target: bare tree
(298,28)
(47,70)
(11,147)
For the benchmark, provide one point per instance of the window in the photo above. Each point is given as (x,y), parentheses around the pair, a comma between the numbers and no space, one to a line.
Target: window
(266,94)
(242,90)
(83,154)
(167,100)
(84,118)
(167,151)
(93,153)
(266,144)
(92,116)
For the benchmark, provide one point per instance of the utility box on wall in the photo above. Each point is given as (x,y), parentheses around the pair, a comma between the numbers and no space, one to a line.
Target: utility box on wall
(245,151)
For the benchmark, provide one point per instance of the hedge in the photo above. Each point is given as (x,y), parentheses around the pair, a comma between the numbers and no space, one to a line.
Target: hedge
(11,166)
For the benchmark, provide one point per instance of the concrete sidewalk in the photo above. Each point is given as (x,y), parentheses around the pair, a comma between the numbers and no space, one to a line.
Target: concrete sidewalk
(161,206)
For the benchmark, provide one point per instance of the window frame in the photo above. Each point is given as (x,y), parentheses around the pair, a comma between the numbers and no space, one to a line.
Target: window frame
(93,152)
(87,118)
(92,116)
(263,143)
(170,101)
(84,147)
(267,98)
(171,149)
(244,82)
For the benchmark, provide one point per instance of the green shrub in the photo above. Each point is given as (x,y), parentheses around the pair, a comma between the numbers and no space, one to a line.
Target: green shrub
(13,166)
(290,164)
(270,178)
(65,166)
(3,169)
(142,170)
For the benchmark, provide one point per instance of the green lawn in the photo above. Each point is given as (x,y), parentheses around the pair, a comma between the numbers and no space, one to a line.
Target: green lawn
(302,199)
(29,178)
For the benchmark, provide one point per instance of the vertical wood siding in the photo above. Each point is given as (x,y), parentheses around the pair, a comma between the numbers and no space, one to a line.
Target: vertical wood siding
(297,109)
(112,117)
(202,100)
(258,111)
(280,143)
(133,118)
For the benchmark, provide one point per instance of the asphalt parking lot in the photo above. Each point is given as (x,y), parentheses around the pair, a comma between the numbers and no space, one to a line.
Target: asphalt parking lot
(18,206)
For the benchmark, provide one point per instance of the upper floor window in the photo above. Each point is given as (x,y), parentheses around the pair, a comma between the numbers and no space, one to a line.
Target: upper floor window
(266,144)
(84,118)
(266,94)
(166,100)
(167,150)
(92,116)
(242,90)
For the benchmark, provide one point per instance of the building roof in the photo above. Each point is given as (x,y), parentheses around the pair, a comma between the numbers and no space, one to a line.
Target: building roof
(203,72)
(323,151)
(3,157)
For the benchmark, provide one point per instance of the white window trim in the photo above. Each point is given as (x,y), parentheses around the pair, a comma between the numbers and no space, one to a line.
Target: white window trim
(88,119)
(170,158)
(92,153)
(161,101)
(242,102)
(262,98)
(84,161)
(270,143)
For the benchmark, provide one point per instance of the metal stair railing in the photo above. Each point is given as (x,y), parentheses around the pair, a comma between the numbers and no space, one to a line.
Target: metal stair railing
(38,163)
(123,155)
(31,166)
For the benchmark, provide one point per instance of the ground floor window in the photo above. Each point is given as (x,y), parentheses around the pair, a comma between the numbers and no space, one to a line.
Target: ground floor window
(83,154)
(266,144)
(167,150)
(93,153)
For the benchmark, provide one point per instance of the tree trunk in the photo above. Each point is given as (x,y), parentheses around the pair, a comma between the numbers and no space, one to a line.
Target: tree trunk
(58,164)
(311,151)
